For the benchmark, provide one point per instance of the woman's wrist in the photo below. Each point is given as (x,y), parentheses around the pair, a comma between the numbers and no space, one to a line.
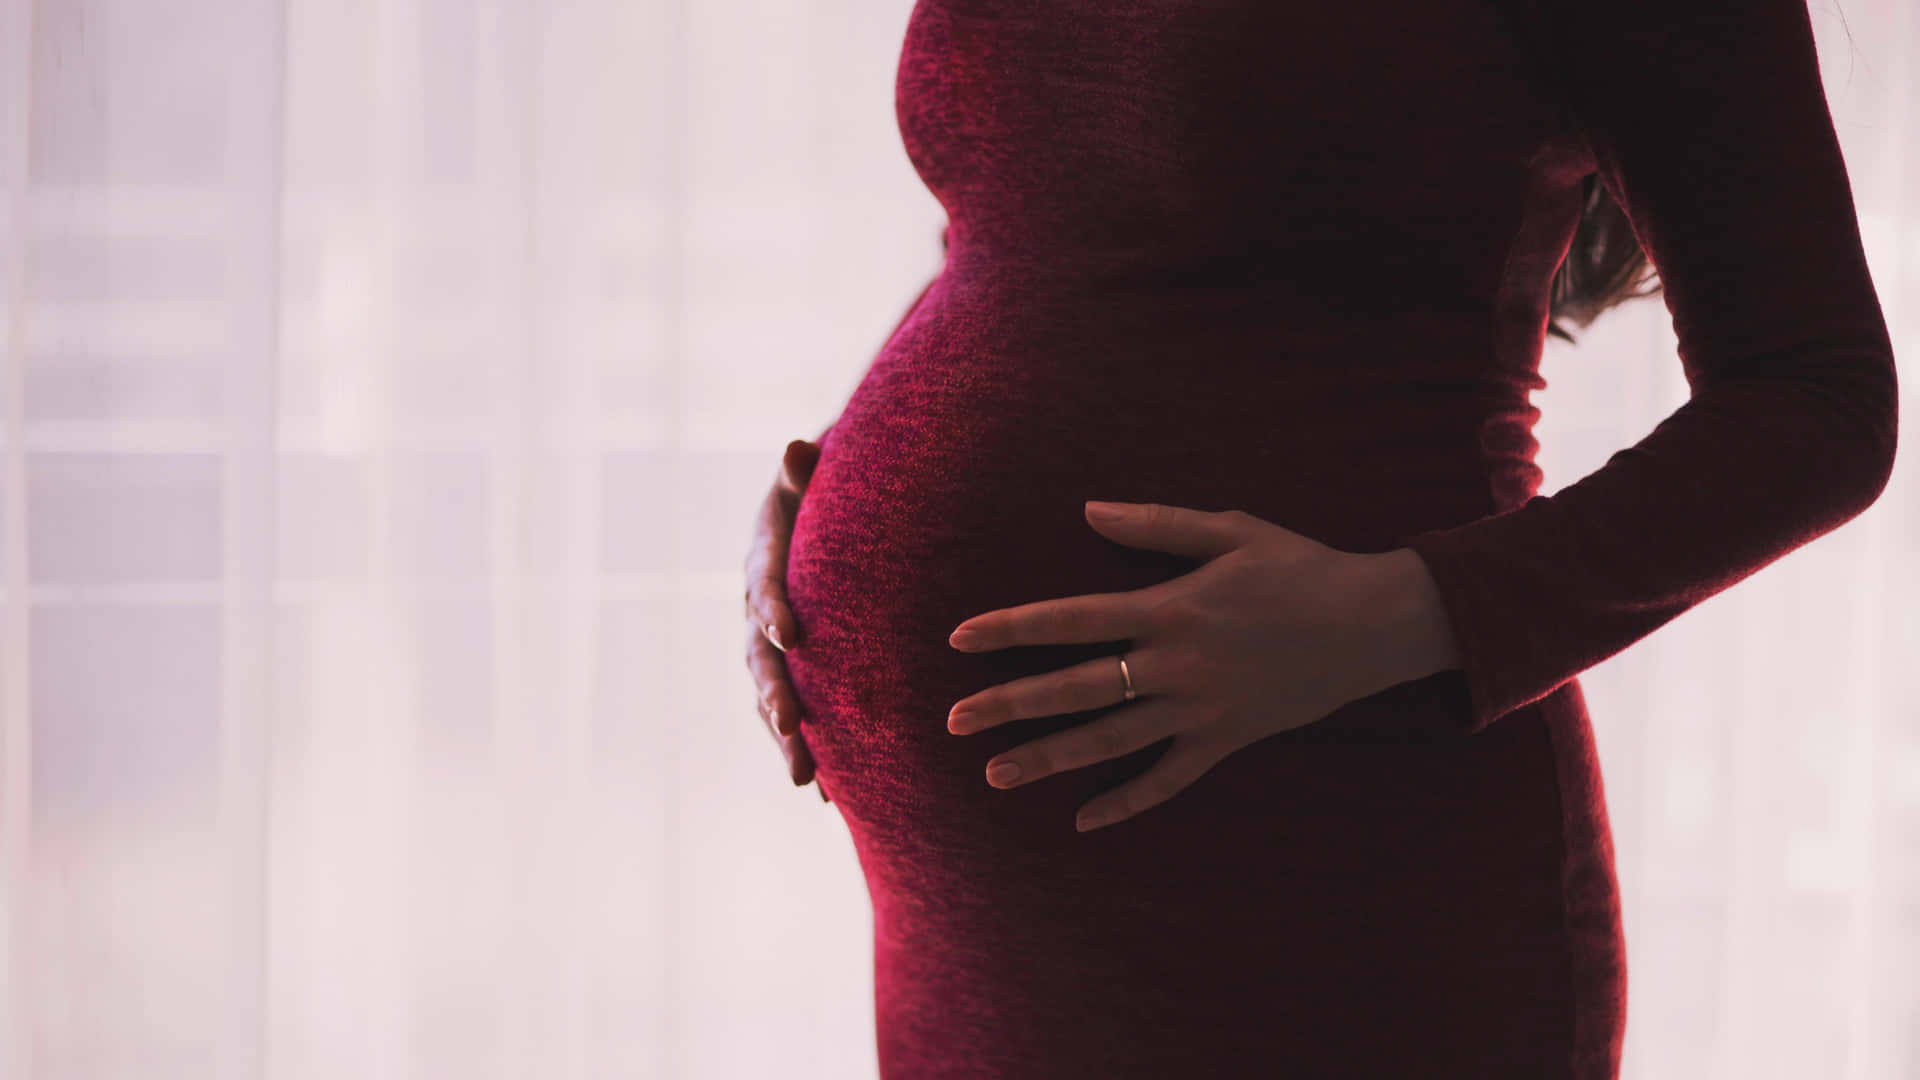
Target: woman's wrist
(1415,636)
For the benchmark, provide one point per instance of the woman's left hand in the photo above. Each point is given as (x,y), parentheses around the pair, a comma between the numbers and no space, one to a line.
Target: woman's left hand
(1273,632)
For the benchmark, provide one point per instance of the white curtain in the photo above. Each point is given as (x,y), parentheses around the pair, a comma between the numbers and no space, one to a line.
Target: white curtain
(389,387)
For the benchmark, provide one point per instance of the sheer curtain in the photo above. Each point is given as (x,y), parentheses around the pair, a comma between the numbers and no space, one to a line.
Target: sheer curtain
(389,387)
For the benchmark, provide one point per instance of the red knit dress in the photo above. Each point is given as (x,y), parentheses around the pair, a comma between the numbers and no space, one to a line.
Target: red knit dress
(1294,259)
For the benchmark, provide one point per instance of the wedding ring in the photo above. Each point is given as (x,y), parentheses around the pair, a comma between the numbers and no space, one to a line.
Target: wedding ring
(1124,674)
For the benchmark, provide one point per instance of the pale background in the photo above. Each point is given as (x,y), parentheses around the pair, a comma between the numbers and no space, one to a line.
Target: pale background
(389,386)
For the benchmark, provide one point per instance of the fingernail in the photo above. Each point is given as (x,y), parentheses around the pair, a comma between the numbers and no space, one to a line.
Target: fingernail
(1105,510)
(1091,820)
(774,715)
(773,635)
(962,639)
(1005,772)
(957,722)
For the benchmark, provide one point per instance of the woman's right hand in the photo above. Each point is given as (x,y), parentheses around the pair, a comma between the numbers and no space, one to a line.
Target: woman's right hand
(768,614)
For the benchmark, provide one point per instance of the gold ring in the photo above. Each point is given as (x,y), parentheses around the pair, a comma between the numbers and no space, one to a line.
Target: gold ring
(1124,674)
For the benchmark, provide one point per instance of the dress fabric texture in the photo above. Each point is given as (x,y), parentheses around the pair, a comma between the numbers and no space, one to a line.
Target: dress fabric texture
(1294,259)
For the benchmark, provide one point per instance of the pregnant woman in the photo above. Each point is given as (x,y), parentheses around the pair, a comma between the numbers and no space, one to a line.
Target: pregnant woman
(1303,782)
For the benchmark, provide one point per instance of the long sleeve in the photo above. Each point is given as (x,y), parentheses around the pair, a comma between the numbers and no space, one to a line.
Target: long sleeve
(1710,127)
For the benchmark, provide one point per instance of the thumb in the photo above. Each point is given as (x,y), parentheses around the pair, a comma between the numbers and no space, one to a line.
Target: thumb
(1197,534)
(796,465)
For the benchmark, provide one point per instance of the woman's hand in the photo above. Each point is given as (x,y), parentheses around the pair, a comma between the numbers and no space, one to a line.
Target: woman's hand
(770,623)
(1273,632)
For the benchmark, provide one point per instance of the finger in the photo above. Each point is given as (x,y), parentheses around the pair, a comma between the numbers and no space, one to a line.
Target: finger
(1116,734)
(766,573)
(779,707)
(772,618)
(793,748)
(1066,620)
(796,465)
(1197,534)
(769,600)
(1090,684)
(799,760)
(1184,762)
(772,684)
(766,566)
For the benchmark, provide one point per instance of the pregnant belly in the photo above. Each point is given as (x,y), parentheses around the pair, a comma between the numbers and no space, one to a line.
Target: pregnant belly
(953,484)
(899,538)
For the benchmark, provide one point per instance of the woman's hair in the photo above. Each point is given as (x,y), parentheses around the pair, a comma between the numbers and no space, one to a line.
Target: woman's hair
(1605,265)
